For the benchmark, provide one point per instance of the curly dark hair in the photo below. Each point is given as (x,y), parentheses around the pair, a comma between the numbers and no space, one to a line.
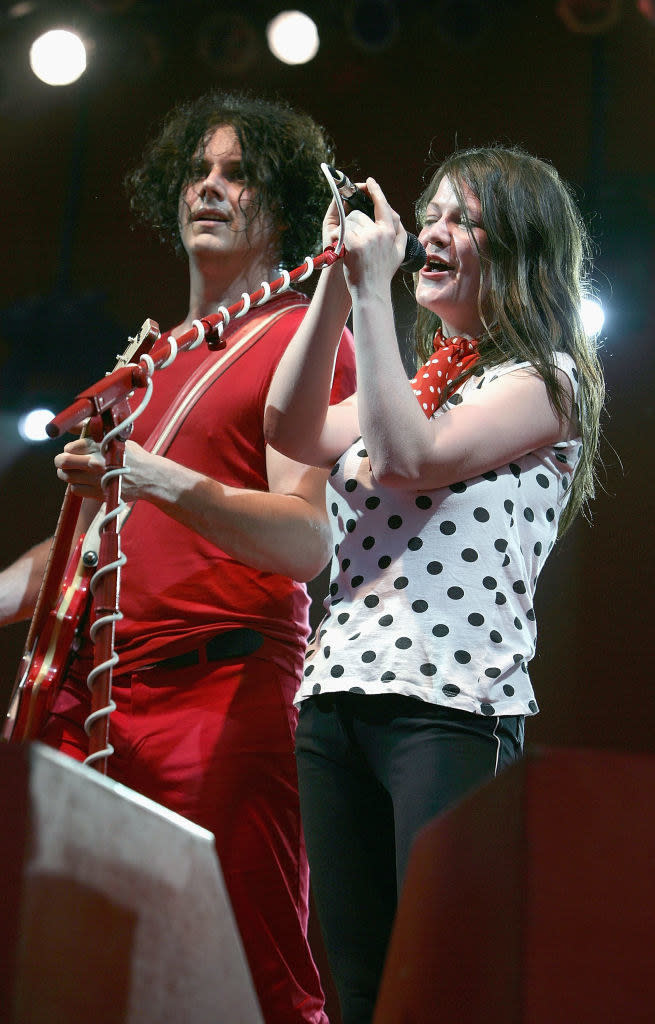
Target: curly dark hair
(282,151)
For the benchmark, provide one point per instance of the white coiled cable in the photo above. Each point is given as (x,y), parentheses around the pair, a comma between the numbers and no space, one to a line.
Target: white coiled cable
(115,566)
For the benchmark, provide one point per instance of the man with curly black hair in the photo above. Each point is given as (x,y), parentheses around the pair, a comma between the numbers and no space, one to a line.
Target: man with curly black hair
(280,151)
(220,528)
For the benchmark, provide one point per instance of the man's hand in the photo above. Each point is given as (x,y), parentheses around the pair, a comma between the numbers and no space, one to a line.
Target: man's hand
(82,465)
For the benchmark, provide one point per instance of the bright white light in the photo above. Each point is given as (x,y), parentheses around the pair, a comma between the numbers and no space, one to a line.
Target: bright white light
(292,37)
(58,57)
(593,317)
(31,426)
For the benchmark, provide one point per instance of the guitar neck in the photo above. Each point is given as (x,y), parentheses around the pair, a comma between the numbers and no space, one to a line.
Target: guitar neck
(65,530)
(57,559)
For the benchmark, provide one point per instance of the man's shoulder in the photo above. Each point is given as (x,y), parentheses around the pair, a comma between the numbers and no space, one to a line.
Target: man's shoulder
(344,383)
(283,313)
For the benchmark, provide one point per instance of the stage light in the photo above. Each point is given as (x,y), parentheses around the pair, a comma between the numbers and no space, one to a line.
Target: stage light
(228,42)
(58,57)
(111,6)
(292,37)
(593,317)
(373,23)
(31,426)
(20,10)
(591,17)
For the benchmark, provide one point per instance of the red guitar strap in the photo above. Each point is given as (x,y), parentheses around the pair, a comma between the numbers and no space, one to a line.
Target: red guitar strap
(204,376)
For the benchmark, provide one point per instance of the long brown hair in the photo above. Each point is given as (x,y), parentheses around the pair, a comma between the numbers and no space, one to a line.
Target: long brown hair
(535,273)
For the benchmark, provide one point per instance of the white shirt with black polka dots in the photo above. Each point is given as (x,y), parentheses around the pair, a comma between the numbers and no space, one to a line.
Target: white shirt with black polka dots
(431,593)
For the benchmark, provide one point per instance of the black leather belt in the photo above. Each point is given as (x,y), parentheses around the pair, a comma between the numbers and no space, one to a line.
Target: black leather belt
(233,643)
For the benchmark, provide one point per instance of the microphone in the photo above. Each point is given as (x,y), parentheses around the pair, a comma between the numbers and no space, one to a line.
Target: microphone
(415,255)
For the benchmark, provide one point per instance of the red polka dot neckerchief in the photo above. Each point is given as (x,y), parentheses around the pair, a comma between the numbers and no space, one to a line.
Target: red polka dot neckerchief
(452,357)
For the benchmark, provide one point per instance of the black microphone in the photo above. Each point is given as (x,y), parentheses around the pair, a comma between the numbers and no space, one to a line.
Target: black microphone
(415,255)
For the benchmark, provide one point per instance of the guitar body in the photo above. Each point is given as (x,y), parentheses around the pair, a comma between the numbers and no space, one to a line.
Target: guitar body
(42,668)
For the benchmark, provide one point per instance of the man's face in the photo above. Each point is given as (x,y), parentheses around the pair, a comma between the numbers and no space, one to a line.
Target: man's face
(214,206)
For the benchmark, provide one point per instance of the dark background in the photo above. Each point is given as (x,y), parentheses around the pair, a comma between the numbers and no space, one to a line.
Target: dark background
(77,278)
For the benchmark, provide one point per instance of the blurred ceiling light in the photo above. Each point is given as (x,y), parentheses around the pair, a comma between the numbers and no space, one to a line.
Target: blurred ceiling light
(31,426)
(227,42)
(110,6)
(58,57)
(372,23)
(20,10)
(463,22)
(292,37)
(593,317)
(591,17)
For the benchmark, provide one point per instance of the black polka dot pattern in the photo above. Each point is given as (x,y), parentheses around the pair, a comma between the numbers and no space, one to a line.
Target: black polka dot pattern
(433,592)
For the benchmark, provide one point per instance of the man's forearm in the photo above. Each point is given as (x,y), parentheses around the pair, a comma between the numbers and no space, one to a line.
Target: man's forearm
(20,583)
(280,533)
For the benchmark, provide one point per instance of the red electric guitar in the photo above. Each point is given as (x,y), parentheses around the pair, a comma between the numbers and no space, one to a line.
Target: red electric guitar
(61,604)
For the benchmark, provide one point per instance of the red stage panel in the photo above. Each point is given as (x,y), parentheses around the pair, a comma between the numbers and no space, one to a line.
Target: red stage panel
(533,901)
(113,909)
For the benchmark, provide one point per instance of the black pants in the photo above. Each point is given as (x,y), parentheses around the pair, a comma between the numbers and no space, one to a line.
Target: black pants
(372,771)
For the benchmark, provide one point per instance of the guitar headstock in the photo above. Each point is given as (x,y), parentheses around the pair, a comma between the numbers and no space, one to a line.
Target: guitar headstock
(136,347)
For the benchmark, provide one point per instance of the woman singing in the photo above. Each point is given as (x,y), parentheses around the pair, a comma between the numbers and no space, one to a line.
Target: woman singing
(447,494)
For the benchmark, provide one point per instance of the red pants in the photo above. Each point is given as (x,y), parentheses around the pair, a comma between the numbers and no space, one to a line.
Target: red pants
(215,744)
